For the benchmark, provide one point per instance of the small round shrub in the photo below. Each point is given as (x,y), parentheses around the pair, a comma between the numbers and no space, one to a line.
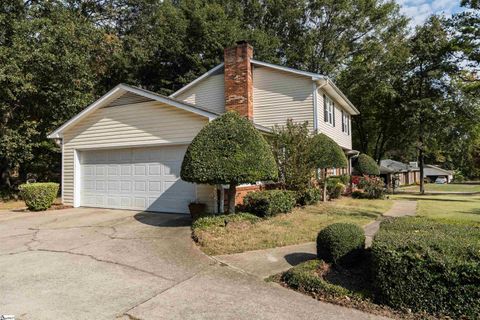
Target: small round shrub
(269,202)
(365,164)
(308,196)
(340,243)
(39,196)
(373,187)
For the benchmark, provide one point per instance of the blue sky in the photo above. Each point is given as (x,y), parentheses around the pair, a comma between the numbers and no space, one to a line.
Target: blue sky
(419,10)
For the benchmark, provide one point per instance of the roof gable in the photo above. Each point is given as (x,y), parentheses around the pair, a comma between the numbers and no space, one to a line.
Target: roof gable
(322,81)
(124,94)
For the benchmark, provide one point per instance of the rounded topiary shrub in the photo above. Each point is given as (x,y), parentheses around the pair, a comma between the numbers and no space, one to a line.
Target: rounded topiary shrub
(364,164)
(39,196)
(340,243)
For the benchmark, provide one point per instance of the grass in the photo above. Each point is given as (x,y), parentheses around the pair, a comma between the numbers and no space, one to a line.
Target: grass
(453,209)
(12,205)
(451,187)
(299,226)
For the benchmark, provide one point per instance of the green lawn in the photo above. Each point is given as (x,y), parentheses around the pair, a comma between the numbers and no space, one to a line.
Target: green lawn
(450,208)
(445,188)
(302,225)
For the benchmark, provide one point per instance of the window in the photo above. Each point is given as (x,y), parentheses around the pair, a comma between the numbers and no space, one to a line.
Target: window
(328,110)
(345,122)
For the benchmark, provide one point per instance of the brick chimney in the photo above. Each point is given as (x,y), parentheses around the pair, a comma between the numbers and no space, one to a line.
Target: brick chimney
(239,79)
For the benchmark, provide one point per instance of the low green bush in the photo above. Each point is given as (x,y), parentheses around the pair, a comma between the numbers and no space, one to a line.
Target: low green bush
(335,187)
(309,196)
(39,196)
(269,202)
(340,243)
(222,220)
(428,266)
(344,178)
(305,277)
(373,187)
(357,194)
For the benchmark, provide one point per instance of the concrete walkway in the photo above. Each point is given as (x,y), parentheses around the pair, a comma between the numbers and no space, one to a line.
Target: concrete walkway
(264,263)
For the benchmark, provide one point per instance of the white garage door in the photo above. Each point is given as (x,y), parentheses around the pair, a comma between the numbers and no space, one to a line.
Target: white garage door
(138,178)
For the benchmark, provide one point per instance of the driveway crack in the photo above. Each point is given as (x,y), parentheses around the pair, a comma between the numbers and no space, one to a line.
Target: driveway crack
(106,261)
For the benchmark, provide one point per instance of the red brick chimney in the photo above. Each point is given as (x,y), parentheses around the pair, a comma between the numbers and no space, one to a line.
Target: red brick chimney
(239,79)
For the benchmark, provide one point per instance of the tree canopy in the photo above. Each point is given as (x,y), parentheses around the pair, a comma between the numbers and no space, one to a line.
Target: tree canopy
(58,56)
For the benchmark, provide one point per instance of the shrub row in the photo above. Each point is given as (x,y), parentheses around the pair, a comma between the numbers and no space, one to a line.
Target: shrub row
(428,266)
(269,202)
(340,243)
(39,196)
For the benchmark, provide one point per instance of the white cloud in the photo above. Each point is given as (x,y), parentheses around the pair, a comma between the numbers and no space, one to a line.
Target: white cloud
(420,10)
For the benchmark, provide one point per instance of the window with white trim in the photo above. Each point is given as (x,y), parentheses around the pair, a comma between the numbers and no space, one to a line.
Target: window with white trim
(345,122)
(328,110)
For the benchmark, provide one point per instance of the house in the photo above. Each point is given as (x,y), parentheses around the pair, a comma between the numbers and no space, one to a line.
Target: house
(431,173)
(401,173)
(125,150)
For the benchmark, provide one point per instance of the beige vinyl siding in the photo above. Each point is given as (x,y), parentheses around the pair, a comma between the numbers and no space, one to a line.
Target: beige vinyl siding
(278,96)
(141,124)
(208,93)
(342,138)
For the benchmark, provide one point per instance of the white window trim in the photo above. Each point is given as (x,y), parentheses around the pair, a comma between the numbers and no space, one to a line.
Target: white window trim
(330,112)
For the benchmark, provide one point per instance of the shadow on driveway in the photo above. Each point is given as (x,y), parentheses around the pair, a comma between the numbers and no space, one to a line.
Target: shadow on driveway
(157,219)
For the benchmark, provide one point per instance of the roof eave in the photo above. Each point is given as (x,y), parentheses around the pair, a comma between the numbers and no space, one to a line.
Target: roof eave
(194,82)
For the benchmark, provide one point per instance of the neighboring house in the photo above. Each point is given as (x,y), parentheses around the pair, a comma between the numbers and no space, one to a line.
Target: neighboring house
(125,150)
(401,173)
(432,172)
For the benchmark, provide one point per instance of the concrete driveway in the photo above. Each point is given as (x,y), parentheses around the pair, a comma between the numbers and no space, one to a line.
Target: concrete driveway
(112,264)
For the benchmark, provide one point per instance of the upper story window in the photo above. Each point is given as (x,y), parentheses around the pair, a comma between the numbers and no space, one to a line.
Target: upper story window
(328,110)
(345,122)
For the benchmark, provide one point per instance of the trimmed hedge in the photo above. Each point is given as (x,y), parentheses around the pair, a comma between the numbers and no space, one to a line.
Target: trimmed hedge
(364,164)
(326,153)
(340,243)
(305,277)
(428,266)
(39,196)
(269,202)
(309,196)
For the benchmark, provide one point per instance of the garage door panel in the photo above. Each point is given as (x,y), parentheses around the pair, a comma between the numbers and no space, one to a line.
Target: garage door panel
(138,178)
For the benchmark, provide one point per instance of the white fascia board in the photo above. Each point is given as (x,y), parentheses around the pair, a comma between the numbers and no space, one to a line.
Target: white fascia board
(337,94)
(287,69)
(117,92)
(194,82)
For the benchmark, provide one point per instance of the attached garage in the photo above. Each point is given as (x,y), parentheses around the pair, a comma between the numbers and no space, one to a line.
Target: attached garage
(135,178)
(125,152)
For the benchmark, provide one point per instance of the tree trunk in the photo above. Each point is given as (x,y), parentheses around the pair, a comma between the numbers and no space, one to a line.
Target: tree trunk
(324,171)
(232,191)
(421,163)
